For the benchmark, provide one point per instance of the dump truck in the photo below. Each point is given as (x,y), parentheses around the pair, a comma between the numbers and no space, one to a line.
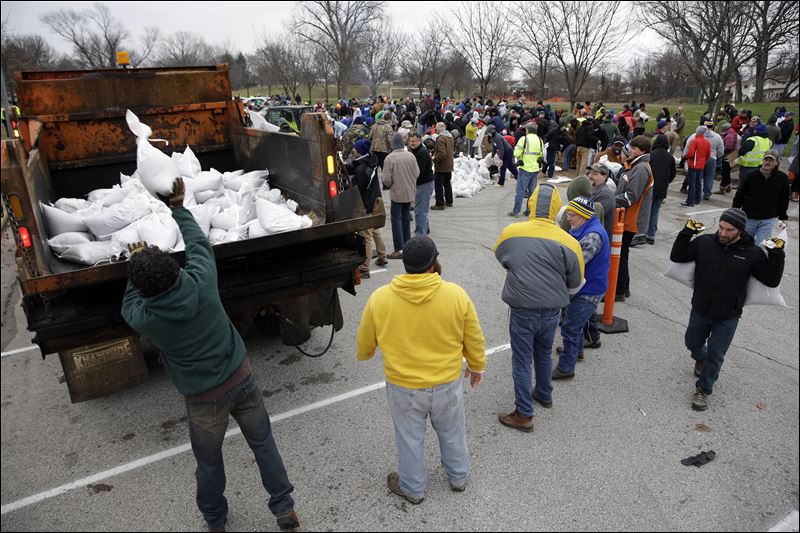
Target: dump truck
(74,139)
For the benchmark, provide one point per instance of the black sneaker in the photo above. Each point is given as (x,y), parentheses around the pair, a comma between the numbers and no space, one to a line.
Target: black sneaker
(638,241)
(288,521)
(698,368)
(558,374)
(546,405)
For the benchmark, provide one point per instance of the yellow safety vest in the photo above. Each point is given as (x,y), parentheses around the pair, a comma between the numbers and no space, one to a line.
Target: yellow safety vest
(293,125)
(531,153)
(753,158)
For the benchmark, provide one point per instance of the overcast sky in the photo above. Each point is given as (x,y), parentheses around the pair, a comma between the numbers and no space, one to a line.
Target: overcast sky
(239,23)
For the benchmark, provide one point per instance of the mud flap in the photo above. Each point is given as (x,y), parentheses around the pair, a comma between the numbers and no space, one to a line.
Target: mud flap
(300,314)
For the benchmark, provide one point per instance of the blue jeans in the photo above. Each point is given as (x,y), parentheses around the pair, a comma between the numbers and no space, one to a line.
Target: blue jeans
(551,161)
(422,207)
(590,330)
(525,181)
(655,207)
(708,178)
(760,230)
(779,148)
(576,315)
(532,332)
(508,164)
(568,151)
(401,224)
(208,422)
(695,177)
(709,340)
(410,409)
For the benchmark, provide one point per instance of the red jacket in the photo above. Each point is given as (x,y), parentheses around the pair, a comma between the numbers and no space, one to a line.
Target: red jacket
(738,122)
(698,152)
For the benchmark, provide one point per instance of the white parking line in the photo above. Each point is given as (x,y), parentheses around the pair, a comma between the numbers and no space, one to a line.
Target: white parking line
(19,350)
(378,271)
(708,211)
(144,461)
(790,523)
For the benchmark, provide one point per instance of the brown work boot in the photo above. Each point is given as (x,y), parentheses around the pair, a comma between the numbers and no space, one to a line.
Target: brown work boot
(382,261)
(698,368)
(288,521)
(393,481)
(699,400)
(517,421)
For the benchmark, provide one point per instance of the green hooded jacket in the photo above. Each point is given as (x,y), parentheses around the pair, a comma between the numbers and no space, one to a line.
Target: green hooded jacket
(199,345)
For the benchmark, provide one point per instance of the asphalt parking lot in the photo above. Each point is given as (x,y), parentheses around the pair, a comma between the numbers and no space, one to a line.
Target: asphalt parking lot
(606,457)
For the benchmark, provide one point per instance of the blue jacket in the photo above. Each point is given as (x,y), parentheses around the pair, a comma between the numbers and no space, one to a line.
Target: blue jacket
(596,270)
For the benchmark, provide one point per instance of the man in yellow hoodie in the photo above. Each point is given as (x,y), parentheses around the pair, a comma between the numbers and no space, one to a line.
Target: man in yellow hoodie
(545,267)
(424,325)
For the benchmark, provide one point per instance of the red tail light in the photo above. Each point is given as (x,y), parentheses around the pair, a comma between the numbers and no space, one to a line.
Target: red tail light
(25,237)
(332,190)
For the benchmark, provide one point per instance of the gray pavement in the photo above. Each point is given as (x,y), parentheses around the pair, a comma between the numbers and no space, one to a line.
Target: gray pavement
(606,457)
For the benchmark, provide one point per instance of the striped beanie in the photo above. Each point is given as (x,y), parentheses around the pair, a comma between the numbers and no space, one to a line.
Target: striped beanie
(581,206)
(735,217)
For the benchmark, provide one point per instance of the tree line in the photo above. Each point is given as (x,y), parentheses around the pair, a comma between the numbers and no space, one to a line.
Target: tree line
(565,48)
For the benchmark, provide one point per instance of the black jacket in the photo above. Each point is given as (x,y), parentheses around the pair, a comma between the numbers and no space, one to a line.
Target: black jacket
(553,136)
(424,163)
(721,272)
(663,165)
(585,136)
(763,198)
(361,169)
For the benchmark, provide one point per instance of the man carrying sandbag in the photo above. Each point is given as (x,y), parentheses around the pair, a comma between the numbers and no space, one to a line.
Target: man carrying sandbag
(724,263)
(180,310)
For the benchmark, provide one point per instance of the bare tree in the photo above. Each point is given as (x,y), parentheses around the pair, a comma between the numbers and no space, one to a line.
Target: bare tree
(96,36)
(419,62)
(535,41)
(337,28)
(285,62)
(150,39)
(774,25)
(459,76)
(183,49)
(786,69)
(587,44)
(482,37)
(309,67)
(712,50)
(378,57)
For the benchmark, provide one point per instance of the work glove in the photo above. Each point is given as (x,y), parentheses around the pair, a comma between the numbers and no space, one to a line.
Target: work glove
(695,226)
(176,198)
(136,247)
(775,243)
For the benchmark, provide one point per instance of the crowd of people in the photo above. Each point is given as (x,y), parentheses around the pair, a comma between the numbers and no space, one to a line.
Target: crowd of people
(557,271)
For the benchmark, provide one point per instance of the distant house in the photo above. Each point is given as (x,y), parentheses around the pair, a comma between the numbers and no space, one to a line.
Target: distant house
(518,86)
(773,89)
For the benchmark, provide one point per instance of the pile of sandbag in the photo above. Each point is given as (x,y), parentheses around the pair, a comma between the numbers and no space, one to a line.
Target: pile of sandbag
(469,176)
(228,207)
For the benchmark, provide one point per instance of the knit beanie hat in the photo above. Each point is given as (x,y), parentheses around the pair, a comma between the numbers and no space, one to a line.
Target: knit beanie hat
(419,254)
(358,120)
(581,206)
(362,146)
(735,217)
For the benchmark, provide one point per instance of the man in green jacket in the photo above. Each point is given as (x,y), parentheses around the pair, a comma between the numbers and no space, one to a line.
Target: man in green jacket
(180,310)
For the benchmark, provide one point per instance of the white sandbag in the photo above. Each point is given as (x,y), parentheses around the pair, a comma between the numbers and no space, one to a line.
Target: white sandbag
(681,272)
(292,205)
(227,218)
(188,164)
(71,205)
(757,292)
(205,181)
(107,197)
(215,235)
(158,229)
(116,217)
(221,201)
(221,236)
(260,123)
(254,179)
(59,221)
(255,229)
(61,242)
(92,253)
(156,169)
(276,218)
(203,215)
(127,235)
(203,197)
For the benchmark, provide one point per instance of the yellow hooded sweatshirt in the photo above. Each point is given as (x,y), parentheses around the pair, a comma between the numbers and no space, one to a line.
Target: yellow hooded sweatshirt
(423,325)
